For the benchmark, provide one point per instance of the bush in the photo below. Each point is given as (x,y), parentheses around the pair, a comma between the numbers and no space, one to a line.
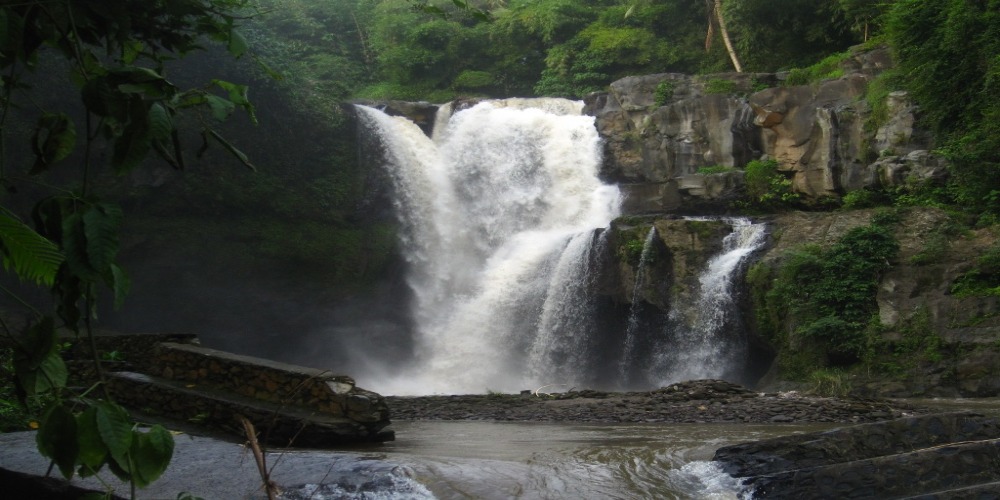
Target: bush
(473,80)
(720,86)
(827,69)
(663,93)
(767,188)
(864,198)
(827,296)
(984,279)
(715,169)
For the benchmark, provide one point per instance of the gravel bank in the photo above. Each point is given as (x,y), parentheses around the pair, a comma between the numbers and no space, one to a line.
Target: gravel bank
(700,401)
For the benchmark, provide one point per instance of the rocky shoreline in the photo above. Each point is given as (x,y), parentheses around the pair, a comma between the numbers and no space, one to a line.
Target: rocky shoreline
(700,401)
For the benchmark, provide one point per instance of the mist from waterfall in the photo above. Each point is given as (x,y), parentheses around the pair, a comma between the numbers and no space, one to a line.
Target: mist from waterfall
(499,216)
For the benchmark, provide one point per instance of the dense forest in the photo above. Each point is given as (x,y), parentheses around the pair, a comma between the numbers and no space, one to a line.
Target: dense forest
(329,52)
(108,117)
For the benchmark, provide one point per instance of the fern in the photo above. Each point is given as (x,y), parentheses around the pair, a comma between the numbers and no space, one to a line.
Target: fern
(29,254)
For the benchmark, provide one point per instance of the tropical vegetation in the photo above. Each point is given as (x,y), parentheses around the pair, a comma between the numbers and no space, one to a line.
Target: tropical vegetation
(153,83)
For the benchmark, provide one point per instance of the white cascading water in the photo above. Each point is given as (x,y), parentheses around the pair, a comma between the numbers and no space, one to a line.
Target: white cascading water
(697,347)
(498,213)
(632,326)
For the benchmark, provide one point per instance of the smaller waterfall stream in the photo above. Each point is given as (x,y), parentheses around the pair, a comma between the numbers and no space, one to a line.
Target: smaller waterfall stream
(632,327)
(701,342)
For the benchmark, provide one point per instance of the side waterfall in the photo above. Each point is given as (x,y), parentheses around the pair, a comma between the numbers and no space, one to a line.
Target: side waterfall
(498,214)
(699,341)
(632,327)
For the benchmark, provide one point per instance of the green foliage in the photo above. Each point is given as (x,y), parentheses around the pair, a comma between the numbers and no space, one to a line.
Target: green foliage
(770,35)
(934,250)
(541,47)
(715,169)
(720,86)
(103,434)
(864,198)
(948,53)
(877,97)
(18,412)
(31,256)
(116,54)
(983,279)
(663,93)
(632,251)
(826,295)
(767,188)
(827,69)
(597,55)
(472,80)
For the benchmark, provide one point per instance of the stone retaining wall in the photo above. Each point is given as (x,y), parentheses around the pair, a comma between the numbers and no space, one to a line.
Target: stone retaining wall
(173,377)
(270,381)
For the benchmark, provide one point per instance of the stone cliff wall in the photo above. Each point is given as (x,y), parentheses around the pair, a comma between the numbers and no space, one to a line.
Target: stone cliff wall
(958,336)
(659,130)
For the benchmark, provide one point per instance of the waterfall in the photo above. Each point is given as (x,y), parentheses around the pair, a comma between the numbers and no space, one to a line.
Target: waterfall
(632,326)
(498,214)
(700,341)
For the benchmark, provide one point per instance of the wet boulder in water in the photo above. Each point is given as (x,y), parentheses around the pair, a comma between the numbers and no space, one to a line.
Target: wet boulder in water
(951,455)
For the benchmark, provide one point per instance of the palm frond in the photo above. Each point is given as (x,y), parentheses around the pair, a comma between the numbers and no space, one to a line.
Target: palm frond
(32,256)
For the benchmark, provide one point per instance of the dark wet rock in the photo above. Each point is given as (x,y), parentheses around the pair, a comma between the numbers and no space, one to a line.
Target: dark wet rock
(686,402)
(22,485)
(950,455)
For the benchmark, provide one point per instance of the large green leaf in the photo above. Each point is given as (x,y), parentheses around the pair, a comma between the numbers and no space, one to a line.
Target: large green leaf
(119,283)
(134,143)
(239,95)
(56,438)
(160,124)
(151,453)
(115,428)
(54,139)
(32,256)
(92,450)
(237,44)
(36,344)
(74,243)
(68,292)
(50,374)
(101,223)
(221,108)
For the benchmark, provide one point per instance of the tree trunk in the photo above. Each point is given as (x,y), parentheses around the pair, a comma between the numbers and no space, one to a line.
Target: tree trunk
(725,37)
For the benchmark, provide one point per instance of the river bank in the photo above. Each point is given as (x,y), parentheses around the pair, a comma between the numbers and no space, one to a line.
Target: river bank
(700,401)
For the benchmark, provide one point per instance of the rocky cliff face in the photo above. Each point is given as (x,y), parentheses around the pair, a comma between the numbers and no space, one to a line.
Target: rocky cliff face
(946,343)
(660,130)
(930,341)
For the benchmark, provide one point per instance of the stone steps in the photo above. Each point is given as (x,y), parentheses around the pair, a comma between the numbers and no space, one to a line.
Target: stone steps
(956,454)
